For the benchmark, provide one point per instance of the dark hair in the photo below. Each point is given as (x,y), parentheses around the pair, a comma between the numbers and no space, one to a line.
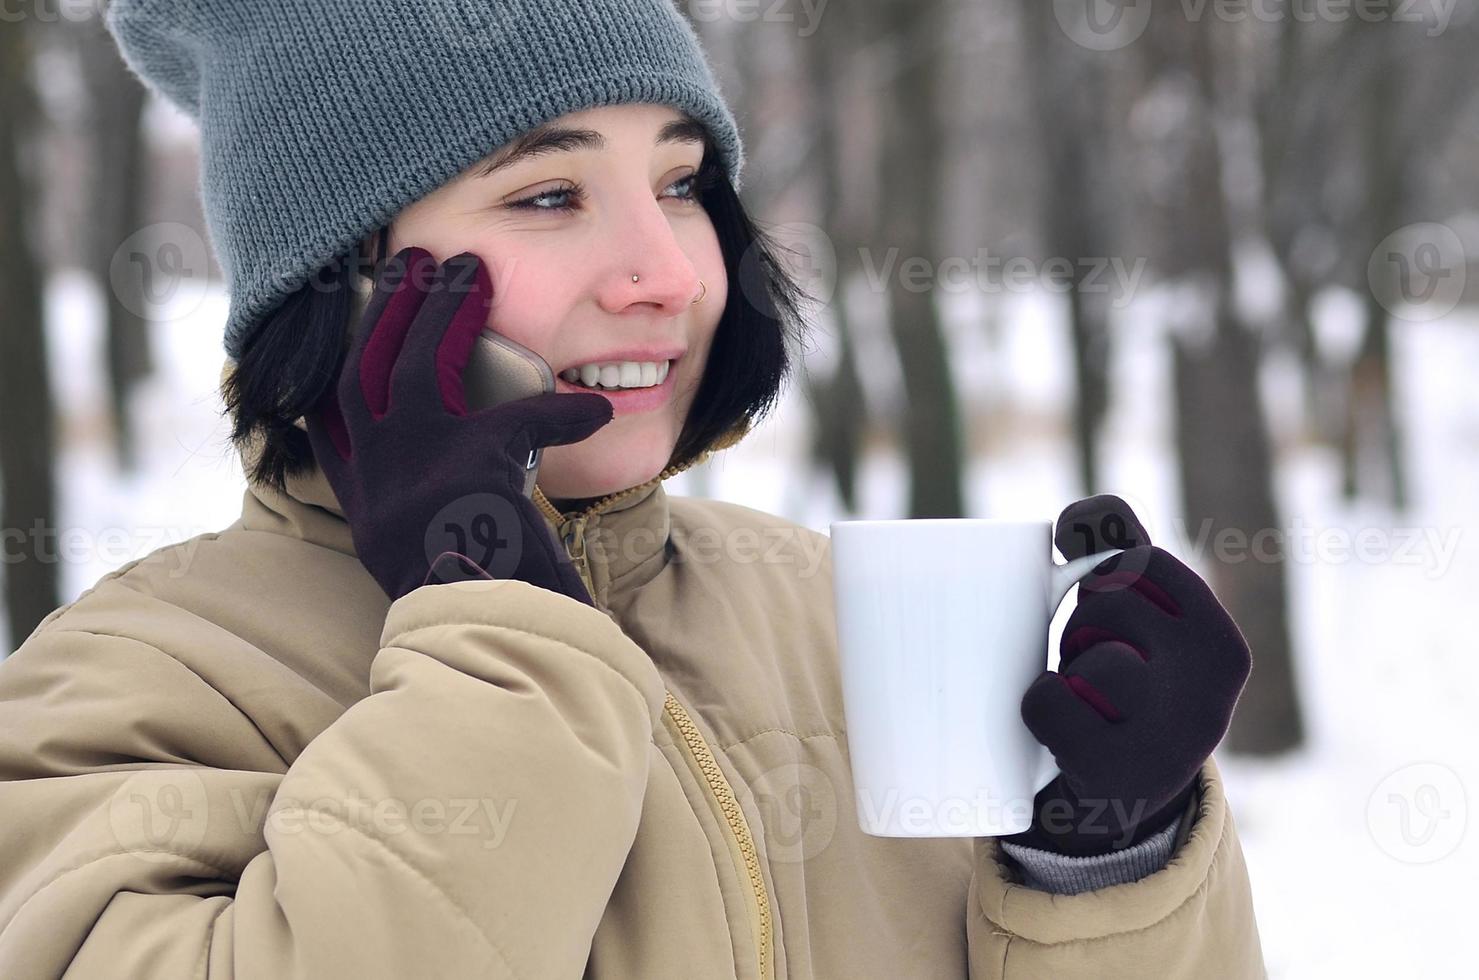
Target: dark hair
(294,353)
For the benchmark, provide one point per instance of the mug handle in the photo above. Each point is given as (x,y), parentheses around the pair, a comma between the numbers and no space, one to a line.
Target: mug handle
(1061,578)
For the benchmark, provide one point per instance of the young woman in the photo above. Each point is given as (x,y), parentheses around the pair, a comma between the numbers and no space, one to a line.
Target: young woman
(402,719)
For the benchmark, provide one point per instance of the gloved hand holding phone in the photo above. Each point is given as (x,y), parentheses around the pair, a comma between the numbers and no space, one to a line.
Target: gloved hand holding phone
(432,493)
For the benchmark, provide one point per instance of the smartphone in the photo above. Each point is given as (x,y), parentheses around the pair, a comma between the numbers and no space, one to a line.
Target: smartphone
(503,370)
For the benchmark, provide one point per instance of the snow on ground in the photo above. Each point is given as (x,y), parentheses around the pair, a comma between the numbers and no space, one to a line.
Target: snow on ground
(1356,845)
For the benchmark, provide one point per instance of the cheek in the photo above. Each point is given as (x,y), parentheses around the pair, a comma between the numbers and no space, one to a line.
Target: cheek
(528,290)
(528,303)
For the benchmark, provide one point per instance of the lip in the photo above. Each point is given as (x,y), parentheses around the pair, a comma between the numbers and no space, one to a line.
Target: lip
(625,401)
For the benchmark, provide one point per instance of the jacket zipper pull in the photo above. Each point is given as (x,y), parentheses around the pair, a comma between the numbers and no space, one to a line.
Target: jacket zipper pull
(574,537)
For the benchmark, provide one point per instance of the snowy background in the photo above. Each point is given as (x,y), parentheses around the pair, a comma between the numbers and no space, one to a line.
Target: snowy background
(1357,846)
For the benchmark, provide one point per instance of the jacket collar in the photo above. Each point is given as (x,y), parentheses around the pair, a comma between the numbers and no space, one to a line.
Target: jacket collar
(618,542)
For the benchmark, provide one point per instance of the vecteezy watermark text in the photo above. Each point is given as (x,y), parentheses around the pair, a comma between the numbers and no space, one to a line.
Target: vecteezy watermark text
(1108,25)
(985,272)
(965,815)
(49,544)
(160,814)
(807,14)
(1432,548)
(385,817)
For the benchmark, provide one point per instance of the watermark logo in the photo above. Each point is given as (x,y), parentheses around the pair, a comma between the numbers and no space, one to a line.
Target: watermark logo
(485,527)
(161,272)
(1418,813)
(1102,25)
(797,803)
(1418,272)
(159,815)
(808,255)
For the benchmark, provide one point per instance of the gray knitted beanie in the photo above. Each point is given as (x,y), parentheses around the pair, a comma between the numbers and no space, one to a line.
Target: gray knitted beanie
(321,119)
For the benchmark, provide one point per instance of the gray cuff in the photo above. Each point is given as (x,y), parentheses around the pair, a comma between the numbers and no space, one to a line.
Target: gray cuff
(1066,875)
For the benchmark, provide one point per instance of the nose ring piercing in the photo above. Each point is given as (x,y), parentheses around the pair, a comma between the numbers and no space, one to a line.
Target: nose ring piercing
(703,290)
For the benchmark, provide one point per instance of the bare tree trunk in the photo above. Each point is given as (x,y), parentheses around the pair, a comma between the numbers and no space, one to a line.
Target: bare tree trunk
(1068,112)
(27,493)
(1372,429)
(1372,440)
(838,400)
(1222,442)
(1225,484)
(912,171)
(116,107)
(1292,174)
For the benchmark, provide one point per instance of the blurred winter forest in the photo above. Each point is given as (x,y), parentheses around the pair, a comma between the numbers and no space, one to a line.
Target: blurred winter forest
(1219,258)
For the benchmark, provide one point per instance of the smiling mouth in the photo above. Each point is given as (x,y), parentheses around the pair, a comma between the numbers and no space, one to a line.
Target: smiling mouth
(626,401)
(619,375)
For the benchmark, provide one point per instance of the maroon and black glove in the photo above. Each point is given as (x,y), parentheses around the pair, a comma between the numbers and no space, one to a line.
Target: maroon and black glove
(430,492)
(1150,668)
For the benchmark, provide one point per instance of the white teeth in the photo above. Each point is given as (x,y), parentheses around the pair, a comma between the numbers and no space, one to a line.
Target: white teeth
(622,374)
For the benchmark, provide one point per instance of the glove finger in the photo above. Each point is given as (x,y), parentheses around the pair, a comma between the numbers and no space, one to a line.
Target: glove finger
(400,291)
(1059,718)
(1167,583)
(327,432)
(550,419)
(1112,678)
(428,372)
(1202,663)
(329,438)
(1142,571)
(1098,523)
(1121,616)
(462,334)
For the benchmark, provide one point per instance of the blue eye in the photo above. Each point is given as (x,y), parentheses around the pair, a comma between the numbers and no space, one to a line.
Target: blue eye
(530,203)
(693,184)
(697,182)
(692,188)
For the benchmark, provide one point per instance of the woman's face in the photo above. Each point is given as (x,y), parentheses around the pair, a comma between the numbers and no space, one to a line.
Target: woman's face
(562,230)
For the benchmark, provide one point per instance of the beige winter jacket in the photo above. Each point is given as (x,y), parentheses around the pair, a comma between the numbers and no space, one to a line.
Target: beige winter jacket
(235,758)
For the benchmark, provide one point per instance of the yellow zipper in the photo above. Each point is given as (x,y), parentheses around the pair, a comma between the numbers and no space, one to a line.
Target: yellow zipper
(571,529)
(729,805)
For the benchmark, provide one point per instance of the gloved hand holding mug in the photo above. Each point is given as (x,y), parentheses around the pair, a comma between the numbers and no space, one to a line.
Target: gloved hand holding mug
(1151,666)
(431,493)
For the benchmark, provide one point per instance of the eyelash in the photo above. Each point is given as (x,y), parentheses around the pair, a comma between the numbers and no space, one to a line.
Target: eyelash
(698,180)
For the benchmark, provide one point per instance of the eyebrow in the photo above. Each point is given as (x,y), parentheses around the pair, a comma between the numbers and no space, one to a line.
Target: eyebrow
(549,138)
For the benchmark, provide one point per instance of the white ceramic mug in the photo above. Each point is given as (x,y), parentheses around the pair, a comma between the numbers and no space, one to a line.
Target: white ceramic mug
(942,624)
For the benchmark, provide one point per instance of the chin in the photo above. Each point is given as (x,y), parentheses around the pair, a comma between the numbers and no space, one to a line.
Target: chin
(569,472)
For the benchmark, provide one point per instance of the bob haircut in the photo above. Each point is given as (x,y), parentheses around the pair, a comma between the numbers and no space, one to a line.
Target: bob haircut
(295,353)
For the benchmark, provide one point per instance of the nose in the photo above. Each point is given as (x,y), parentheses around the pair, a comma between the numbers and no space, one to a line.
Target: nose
(646,247)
